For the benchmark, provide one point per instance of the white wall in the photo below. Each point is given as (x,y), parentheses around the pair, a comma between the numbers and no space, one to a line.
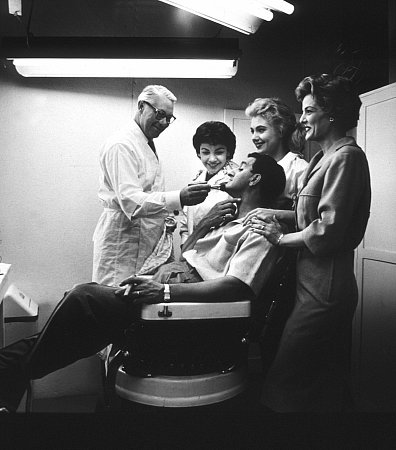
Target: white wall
(50,135)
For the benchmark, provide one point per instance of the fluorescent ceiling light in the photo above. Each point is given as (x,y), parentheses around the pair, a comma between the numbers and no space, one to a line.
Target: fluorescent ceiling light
(275,5)
(126,68)
(244,16)
(123,57)
(220,12)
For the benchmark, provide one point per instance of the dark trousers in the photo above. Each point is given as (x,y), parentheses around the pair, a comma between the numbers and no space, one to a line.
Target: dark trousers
(87,319)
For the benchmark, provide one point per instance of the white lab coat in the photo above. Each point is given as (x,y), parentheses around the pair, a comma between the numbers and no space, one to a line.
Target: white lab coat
(135,206)
(193,214)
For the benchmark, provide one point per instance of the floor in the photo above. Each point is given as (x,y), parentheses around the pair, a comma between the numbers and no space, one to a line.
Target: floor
(69,404)
(241,423)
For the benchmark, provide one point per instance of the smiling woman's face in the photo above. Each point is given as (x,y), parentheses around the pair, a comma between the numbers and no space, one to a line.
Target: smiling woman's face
(315,121)
(213,157)
(265,137)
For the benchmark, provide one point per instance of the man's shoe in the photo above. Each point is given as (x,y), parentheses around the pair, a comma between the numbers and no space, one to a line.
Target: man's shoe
(4,410)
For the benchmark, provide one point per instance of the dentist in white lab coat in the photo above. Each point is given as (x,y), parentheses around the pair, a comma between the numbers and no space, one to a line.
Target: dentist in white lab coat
(132,191)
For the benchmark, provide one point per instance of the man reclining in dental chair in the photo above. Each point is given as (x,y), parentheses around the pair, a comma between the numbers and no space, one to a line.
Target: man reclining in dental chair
(224,260)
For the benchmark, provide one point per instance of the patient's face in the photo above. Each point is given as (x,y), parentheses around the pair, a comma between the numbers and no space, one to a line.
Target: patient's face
(240,178)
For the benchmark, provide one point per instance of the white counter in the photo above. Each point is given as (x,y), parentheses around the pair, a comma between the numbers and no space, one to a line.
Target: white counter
(4,283)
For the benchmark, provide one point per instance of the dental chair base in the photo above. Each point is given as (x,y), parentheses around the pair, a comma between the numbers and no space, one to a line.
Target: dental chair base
(185,354)
(173,391)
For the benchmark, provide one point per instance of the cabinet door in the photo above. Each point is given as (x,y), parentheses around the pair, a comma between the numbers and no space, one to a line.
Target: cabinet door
(240,125)
(374,340)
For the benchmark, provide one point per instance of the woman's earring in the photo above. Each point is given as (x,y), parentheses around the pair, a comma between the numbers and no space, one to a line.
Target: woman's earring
(331,119)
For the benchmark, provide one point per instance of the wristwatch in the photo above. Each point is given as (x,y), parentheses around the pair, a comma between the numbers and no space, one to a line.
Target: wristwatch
(279,239)
(167,297)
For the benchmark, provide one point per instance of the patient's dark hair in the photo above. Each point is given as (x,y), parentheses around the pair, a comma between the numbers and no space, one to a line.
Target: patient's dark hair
(215,133)
(273,179)
(335,95)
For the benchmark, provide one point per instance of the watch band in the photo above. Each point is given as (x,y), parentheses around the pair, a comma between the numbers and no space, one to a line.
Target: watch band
(167,297)
(279,239)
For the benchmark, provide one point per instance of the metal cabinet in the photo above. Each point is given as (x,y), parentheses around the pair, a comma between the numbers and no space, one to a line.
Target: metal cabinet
(374,338)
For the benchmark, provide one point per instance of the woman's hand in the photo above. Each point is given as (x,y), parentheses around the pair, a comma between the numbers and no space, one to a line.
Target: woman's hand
(221,213)
(269,227)
(260,213)
(141,290)
(284,215)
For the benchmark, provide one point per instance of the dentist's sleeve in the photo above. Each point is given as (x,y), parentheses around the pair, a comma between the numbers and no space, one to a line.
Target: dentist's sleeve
(123,172)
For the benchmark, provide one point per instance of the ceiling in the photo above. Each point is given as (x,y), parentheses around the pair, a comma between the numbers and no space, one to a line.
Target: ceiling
(325,33)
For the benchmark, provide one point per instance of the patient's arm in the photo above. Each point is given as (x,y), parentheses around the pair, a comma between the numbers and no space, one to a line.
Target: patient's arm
(199,232)
(220,214)
(224,289)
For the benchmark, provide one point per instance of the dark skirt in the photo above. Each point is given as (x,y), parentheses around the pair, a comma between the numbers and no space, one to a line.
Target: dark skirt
(311,371)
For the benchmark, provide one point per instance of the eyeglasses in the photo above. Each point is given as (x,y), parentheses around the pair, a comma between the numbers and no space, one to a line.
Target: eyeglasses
(161,114)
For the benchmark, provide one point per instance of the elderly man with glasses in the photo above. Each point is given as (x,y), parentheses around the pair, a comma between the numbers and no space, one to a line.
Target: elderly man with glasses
(132,192)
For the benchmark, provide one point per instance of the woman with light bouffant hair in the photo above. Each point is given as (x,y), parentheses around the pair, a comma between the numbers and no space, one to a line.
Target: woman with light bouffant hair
(275,133)
(311,370)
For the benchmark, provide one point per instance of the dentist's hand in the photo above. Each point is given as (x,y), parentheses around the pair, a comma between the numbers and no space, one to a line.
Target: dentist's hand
(194,194)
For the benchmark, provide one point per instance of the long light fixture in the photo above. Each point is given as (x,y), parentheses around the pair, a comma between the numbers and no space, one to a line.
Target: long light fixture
(122,57)
(244,16)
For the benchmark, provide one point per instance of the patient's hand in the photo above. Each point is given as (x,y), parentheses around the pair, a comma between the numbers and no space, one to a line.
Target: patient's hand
(141,290)
(221,213)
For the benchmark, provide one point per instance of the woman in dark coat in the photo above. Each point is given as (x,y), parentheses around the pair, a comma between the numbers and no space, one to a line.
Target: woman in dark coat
(311,371)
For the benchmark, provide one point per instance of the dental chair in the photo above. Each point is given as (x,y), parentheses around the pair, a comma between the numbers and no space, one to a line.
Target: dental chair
(272,308)
(184,354)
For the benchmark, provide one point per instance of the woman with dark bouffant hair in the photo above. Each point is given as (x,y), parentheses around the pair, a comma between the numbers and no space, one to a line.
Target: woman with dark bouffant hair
(214,143)
(311,370)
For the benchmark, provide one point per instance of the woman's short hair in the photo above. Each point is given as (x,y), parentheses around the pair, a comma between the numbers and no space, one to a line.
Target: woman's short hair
(215,133)
(335,95)
(273,179)
(276,113)
(153,91)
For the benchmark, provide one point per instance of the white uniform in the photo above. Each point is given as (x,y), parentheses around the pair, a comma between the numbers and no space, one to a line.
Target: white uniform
(193,214)
(135,206)
(294,167)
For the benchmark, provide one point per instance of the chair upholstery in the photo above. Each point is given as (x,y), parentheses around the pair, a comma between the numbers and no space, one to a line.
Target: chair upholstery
(272,308)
